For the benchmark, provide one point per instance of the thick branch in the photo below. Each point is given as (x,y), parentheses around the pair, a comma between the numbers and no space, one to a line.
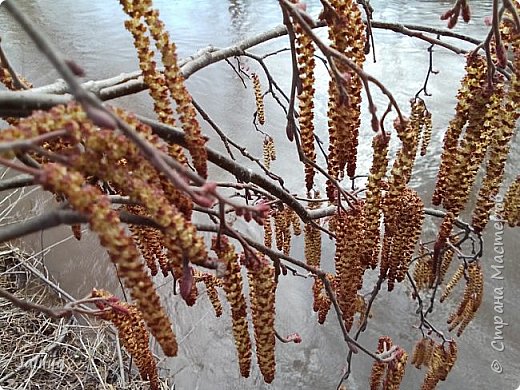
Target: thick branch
(16,182)
(129,83)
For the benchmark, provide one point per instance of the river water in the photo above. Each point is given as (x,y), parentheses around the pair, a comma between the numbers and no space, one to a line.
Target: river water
(91,32)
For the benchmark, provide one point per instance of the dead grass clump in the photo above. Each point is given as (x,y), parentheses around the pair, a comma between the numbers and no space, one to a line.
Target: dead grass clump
(38,352)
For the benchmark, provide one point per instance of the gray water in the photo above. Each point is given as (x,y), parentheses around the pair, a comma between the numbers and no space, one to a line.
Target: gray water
(91,32)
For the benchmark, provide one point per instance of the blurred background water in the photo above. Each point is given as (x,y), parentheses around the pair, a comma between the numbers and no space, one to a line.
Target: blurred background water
(92,33)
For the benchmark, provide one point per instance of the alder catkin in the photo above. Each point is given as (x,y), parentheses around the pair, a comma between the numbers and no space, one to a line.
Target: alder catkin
(132,333)
(232,284)
(259,99)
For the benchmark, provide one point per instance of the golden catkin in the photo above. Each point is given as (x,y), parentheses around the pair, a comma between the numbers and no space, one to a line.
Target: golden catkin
(178,232)
(427,132)
(379,368)
(349,230)
(388,375)
(173,78)
(269,152)
(454,280)
(373,198)
(268,232)
(408,133)
(175,196)
(154,79)
(441,361)
(294,221)
(361,308)
(262,292)
(469,102)
(511,211)
(42,122)
(402,207)
(7,80)
(282,224)
(211,282)
(471,299)
(105,222)
(132,333)
(344,101)
(447,258)
(312,245)
(322,302)
(395,371)
(306,64)
(422,352)
(259,99)
(403,222)
(312,252)
(442,239)
(148,240)
(423,273)
(502,119)
(232,284)
(176,84)
(483,120)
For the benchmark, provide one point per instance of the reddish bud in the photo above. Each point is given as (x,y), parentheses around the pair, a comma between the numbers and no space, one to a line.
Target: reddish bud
(353,348)
(294,337)
(76,231)
(118,308)
(447,14)
(100,117)
(453,21)
(186,283)
(501,56)
(375,123)
(75,68)
(466,13)
(204,195)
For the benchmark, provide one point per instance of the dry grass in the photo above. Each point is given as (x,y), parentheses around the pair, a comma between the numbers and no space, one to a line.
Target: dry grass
(37,352)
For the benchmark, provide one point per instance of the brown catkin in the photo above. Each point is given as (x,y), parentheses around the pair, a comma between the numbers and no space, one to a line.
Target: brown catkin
(306,64)
(467,96)
(349,230)
(232,284)
(262,292)
(105,222)
(259,99)
(132,333)
(511,211)
(344,109)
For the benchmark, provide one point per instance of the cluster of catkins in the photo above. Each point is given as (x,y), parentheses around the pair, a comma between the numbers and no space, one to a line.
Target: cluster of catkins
(345,96)
(471,299)
(268,151)
(110,157)
(388,375)
(131,332)
(170,83)
(438,358)
(262,292)
(425,271)
(286,223)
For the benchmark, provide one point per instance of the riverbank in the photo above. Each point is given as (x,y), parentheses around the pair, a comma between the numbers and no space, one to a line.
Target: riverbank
(38,352)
